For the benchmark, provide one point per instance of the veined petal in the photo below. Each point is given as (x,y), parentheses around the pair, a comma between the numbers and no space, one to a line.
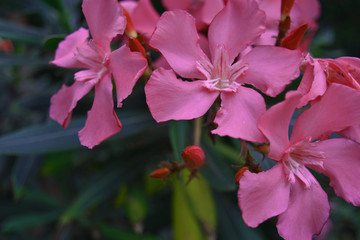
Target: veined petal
(263,195)
(170,98)
(126,67)
(270,68)
(239,114)
(176,4)
(274,124)
(352,132)
(306,214)
(206,11)
(101,122)
(105,20)
(342,166)
(238,25)
(352,65)
(313,83)
(337,109)
(145,17)
(65,53)
(176,38)
(65,100)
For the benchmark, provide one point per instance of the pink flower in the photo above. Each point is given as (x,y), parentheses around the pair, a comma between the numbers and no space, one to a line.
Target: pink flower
(289,190)
(302,12)
(105,21)
(203,11)
(321,73)
(143,16)
(236,27)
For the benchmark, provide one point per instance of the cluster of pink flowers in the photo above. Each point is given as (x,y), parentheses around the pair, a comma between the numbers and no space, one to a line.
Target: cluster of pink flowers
(219,55)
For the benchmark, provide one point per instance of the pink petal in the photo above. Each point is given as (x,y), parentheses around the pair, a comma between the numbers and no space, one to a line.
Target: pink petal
(274,124)
(105,20)
(307,213)
(337,109)
(352,66)
(176,4)
(342,166)
(238,25)
(129,6)
(263,195)
(205,12)
(126,67)
(176,38)
(239,114)
(65,100)
(307,11)
(352,133)
(171,98)
(102,121)
(145,17)
(313,83)
(270,68)
(64,55)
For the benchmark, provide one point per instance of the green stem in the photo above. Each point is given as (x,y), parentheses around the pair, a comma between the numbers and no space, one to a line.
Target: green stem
(197,130)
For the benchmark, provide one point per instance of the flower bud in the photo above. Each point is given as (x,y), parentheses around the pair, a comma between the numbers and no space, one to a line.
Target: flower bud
(193,156)
(160,173)
(239,174)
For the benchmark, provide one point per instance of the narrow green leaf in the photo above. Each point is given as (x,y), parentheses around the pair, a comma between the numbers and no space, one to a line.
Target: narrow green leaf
(6,60)
(52,137)
(136,206)
(179,137)
(25,34)
(202,203)
(185,224)
(231,224)
(26,221)
(51,43)
(112,233)
(25,168)
(218,172)
(103,185)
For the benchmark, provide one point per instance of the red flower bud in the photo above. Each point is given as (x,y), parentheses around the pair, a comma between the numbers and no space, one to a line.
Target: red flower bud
(193,156)
(239,174)
(160,173)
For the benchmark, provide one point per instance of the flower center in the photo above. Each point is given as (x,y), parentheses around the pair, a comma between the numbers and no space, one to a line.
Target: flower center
(298,156)
(95,59)
(221,75)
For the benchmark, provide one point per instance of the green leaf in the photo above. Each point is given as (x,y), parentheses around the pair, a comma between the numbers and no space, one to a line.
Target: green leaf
(231,224)
(113,233)
(25,168)
(179,137)
(26,221)
(51,43)
(202,203)
(24,34)
(103,185)
(52,137)
(218,172)
(185,224)
(136,207)
(6,60)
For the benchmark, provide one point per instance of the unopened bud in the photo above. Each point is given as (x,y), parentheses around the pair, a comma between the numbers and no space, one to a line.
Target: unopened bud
(193,156)
(239,174)
(160,173)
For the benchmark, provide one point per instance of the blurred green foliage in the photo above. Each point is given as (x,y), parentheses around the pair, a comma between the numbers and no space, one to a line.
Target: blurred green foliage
(53,188)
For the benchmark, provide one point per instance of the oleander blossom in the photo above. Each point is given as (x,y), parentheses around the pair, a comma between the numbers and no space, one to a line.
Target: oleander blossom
(289,190)
(222,74)
(105,20)
(321,73)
